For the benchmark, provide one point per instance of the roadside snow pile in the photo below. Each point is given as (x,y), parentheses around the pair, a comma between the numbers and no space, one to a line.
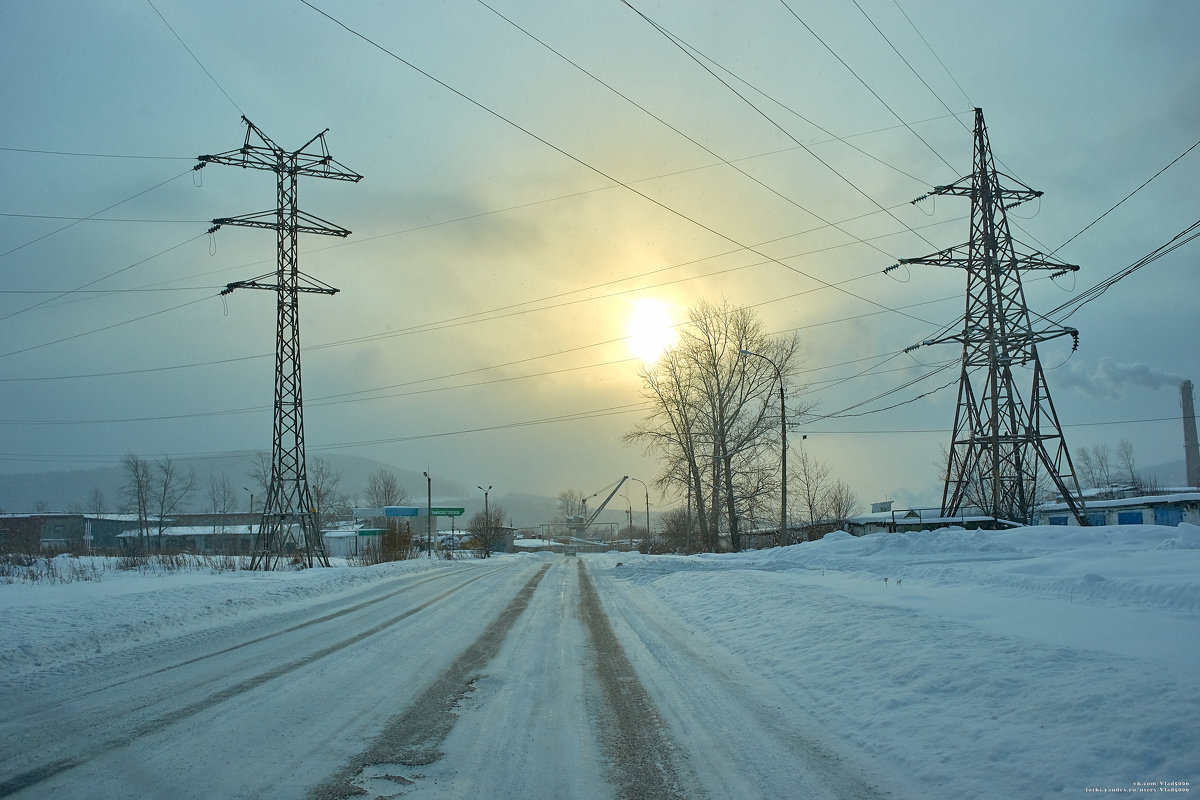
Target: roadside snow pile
(1035,662)
(61,622)
(1132,565)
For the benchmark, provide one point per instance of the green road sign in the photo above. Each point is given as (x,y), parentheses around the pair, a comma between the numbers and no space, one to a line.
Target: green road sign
(443,511)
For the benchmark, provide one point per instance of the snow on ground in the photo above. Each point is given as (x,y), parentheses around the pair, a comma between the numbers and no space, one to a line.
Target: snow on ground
(1042,661)
(95,607)
(1036,662)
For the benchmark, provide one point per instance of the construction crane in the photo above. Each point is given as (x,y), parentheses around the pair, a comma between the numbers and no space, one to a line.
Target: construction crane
(585,521)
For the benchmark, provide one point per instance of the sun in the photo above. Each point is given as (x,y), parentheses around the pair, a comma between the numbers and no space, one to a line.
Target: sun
(650,330)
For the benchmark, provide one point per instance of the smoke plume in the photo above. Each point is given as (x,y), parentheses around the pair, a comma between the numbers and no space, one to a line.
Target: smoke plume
(1110,380)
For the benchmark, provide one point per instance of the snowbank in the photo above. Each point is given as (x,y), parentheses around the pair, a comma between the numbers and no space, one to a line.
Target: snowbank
(1036,662)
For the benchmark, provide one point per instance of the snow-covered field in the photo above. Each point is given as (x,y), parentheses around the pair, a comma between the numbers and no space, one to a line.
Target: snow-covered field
(1038,662)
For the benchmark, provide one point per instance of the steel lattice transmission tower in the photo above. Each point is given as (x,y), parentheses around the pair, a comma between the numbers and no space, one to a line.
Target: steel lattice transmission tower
(289,522)
(1000,438)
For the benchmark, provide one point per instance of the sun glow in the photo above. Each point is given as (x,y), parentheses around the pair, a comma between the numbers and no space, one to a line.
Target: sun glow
(650,329)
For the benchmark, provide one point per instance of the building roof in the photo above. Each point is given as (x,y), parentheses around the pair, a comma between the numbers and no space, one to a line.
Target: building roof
(194,530)
(1144,500)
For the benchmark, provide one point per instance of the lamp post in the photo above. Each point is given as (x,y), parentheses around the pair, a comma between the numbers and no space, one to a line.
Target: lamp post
(643,483)
(783,432)
(487,522)
(247,491)
(428,514)
(629,518)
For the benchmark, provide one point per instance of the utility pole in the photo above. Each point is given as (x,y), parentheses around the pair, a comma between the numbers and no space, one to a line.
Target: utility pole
(647,490)
(1000,440)
(428,514)
(289,521)
(782,539)
(487,522)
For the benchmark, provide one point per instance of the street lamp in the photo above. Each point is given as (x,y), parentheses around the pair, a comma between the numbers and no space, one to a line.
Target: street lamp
(487,522)
(428,514)
(247,491)
(643,483)
(783,431)
(629,517)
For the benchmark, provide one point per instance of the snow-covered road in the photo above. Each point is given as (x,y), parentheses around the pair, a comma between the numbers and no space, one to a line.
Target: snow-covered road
(506,678)
(265,706)
(1035,663)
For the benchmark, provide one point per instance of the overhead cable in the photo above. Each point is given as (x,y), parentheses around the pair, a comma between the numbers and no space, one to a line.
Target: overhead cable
(587,165)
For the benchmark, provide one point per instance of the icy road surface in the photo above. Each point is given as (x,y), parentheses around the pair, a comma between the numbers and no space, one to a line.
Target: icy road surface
(1035,663)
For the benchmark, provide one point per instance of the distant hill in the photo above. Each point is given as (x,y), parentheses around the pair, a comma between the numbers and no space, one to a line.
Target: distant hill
(1170,473)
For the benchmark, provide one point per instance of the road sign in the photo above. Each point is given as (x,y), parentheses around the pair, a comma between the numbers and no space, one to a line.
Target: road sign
(400,511)
(407,511)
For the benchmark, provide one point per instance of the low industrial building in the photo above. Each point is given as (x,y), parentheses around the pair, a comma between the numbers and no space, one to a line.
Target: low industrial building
(52,530)
(1167,508)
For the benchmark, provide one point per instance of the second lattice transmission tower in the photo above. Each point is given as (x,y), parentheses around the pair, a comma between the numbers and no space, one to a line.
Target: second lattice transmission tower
(1003,441)
(290,525)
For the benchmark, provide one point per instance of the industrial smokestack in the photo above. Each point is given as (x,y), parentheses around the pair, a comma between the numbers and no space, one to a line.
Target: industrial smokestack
(1191,450)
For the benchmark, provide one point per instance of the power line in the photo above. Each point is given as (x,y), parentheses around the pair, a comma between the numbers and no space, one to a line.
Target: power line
(908,64)
(96,214)
(85,286)
(592,168)
(1075,303)
(1126,197)
(99,219)
(944,431)
(194,58)
(933,52)
(147,290)
(662,121)
(93,155)
(70,458)
(692,52)
(571,417)
(461,320)
(867,86)
(102,328)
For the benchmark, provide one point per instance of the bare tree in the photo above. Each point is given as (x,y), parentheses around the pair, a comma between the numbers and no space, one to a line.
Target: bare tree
(171,491)
(825,502)
(137,492)
(841,503)
(570,503)
(1095,467)
(1126,463)
(711,420)
(260,473)
(384,489)
(487,529)
(324,483)
(674,535)
(96,504)
(222,498)
(673,431)
(812,479)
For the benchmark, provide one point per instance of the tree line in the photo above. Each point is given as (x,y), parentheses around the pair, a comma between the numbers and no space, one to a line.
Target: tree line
(157,490)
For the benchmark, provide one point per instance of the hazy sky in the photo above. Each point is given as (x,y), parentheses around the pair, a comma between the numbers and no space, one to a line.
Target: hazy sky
(527,191)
